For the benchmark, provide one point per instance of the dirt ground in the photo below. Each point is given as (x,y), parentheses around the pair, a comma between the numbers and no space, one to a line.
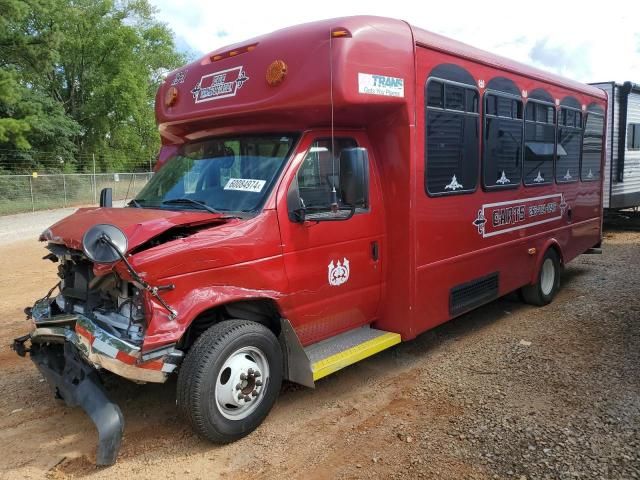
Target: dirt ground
(507,391)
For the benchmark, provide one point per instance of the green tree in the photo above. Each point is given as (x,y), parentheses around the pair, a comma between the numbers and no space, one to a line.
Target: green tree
(81,78)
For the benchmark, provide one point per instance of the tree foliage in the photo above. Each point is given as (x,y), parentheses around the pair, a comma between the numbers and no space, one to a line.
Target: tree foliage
(79,77)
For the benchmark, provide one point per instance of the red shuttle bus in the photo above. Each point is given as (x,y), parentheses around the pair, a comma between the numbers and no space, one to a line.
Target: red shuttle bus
(322,193)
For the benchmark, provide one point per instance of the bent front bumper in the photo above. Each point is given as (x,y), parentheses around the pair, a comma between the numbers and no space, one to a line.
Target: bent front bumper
(104,350)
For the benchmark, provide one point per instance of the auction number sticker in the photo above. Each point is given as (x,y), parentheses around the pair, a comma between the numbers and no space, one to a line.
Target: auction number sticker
(245,185)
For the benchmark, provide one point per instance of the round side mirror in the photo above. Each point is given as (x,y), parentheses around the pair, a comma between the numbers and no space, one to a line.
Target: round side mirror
(101,241)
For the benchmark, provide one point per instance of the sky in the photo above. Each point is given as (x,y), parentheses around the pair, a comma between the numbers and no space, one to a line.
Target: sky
(568,37)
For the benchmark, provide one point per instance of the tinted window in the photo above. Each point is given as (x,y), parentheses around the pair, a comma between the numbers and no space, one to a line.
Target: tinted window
(569,145)
(539,143)
(451,152)
(633,136)
(435,94)
(502,161)
(592,147)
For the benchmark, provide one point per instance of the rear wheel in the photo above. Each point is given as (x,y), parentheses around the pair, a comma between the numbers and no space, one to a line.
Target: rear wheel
(548,282)
(230,379)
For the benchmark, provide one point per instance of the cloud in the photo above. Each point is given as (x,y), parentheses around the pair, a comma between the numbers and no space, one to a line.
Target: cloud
(562,59)
(574,40)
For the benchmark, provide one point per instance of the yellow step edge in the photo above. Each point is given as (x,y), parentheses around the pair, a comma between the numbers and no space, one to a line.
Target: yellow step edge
(336,362)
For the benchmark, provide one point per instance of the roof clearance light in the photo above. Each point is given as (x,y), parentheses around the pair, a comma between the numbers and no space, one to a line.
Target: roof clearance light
(276,72)
(233,53)
(171,97)
(340,33)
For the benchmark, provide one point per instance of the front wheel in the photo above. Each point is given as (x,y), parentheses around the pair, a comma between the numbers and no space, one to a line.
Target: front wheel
(548,282)
(230,379)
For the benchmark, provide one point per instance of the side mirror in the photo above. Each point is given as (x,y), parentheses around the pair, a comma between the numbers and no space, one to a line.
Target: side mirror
(106,197)
(354,176)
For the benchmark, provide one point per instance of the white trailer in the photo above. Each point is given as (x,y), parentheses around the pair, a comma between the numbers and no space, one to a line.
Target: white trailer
(622,166)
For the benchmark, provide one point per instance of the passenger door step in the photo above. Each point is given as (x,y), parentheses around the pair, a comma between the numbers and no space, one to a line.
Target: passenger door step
(329,356)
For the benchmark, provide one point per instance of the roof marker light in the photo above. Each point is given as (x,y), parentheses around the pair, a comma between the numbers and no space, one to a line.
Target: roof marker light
(171,97)
(276,72)
(233,53)
(340,33)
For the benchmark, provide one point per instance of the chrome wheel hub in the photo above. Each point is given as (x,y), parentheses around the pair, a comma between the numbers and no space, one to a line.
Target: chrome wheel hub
(241,383)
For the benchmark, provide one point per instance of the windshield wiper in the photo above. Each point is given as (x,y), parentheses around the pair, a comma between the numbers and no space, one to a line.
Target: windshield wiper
(191,201)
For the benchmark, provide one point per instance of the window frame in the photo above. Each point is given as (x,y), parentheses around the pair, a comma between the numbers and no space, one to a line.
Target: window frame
(512,96)
(555,140)
(603,145)
(294,182)
(464,112)
(558,127)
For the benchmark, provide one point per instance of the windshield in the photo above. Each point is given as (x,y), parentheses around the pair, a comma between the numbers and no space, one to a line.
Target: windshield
(232,174)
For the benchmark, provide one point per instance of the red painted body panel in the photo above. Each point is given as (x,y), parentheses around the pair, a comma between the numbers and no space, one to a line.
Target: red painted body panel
(427,245)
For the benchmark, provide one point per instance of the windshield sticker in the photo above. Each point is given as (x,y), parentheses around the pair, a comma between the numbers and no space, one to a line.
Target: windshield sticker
(222,84)
(380,85)
(245,185)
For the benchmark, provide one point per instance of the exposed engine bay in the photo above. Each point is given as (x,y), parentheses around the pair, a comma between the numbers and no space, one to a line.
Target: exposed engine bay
(112,303)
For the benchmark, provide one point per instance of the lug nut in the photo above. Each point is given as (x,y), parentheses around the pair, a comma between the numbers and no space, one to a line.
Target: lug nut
(254,393)
(240,397)
(258,383)
(243,376)
(247,398)
(239,386)
(257,374)
(250,371)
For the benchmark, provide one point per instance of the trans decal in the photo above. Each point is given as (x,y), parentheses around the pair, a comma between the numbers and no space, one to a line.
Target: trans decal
(222,84)
(502,217)
(380,85)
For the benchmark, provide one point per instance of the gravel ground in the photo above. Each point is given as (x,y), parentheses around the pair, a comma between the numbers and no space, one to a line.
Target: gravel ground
(508,392)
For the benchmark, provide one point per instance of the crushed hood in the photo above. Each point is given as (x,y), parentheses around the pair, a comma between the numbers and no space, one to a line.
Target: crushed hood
(138,224)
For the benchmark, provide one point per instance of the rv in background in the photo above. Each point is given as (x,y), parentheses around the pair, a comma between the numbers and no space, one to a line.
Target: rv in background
(622,165)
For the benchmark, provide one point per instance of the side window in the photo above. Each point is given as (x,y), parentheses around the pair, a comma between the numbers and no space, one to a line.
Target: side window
(451,137)
(633,136)
(592,147)
(320,173)
(502,160)
(539,143)
(569,145)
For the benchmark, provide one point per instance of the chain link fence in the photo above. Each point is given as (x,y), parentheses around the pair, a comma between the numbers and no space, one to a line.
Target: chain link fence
(28,193)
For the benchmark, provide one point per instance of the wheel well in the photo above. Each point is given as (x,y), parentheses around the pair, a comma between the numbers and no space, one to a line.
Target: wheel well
(263,311)
(556,248)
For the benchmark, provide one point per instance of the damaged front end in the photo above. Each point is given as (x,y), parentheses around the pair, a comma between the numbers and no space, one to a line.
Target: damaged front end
(93,323)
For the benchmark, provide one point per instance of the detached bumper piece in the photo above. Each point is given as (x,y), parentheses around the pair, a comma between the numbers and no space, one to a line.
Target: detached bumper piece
(78,384)
(70,349)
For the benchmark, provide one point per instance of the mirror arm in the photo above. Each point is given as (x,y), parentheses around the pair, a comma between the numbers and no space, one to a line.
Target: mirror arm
(152,290)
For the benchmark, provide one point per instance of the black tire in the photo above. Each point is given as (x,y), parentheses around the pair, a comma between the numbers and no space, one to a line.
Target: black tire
(544,289)
(201,374)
